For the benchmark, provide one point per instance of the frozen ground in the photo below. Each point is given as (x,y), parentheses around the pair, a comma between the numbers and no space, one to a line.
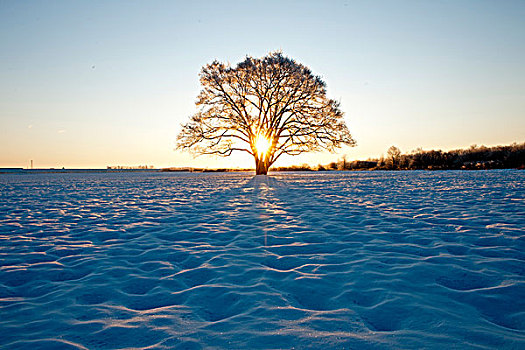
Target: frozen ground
(366,260)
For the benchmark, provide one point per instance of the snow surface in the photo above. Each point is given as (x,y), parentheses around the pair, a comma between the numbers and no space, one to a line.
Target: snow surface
(359,260)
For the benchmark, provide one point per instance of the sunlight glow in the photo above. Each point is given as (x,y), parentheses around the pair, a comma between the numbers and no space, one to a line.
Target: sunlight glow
(262,145)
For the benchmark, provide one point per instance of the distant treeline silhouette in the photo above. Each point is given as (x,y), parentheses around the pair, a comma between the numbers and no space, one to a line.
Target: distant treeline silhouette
(475,157)
(129,167)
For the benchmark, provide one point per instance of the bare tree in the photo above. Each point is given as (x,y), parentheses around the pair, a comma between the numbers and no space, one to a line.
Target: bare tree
(393,157)
(266,107)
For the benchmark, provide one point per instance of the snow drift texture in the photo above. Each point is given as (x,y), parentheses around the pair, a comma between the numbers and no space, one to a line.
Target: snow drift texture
(334,260)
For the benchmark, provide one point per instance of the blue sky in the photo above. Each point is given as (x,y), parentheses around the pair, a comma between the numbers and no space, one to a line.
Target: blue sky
(96,83)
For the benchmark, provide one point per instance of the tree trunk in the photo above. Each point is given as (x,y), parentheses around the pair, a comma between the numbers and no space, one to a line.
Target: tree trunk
(261,166)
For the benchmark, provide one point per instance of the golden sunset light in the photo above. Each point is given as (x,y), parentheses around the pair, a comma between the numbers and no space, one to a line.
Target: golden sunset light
(262,145)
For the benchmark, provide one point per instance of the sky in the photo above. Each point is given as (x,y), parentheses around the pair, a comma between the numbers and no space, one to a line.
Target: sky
(87,84)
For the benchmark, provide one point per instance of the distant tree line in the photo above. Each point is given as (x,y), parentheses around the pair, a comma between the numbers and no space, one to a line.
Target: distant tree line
(475,157)
(129,167)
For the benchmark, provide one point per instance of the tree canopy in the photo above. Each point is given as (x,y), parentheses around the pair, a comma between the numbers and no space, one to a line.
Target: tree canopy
(266,107)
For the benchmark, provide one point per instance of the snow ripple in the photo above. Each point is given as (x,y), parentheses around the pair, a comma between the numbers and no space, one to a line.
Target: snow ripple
(307,260)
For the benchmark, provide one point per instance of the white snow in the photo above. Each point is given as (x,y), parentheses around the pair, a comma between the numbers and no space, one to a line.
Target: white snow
(360,260)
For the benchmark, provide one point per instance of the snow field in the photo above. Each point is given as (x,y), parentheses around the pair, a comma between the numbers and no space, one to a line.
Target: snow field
(359,260)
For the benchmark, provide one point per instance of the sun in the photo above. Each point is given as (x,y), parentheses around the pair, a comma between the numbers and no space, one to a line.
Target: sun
(262,145)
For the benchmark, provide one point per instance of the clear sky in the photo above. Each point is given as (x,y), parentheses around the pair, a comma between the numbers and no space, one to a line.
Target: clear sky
(97,83)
